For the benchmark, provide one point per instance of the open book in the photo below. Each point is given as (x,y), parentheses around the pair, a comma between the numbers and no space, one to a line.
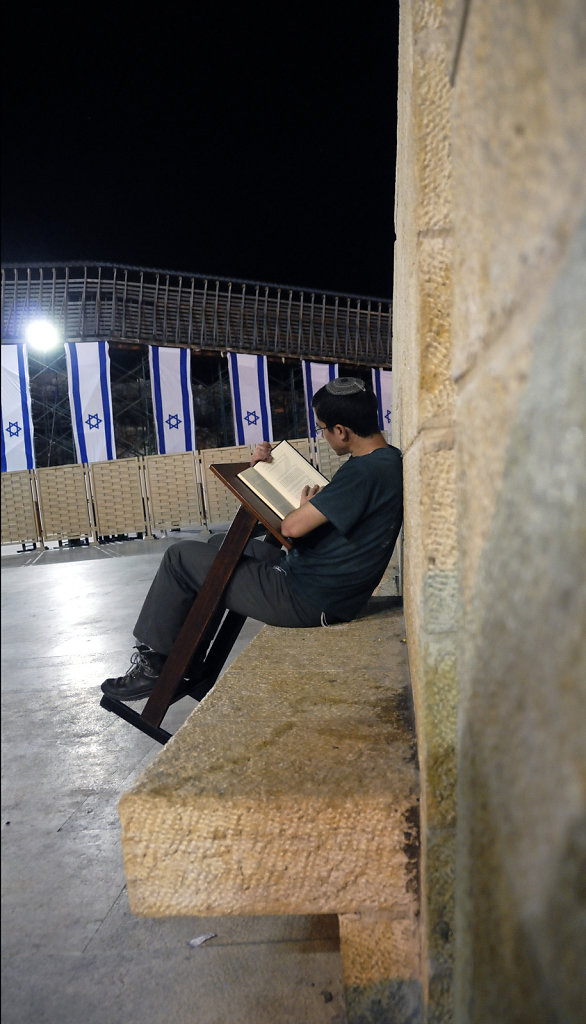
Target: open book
(279,483)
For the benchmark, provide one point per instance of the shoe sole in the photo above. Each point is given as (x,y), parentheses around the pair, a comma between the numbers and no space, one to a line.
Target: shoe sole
(189,687)
(118,695)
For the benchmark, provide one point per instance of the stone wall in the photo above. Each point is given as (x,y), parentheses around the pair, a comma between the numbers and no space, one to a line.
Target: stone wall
(490,378)
(425,395)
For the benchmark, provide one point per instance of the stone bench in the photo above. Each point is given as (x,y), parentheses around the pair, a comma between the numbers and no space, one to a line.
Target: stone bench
(293,789)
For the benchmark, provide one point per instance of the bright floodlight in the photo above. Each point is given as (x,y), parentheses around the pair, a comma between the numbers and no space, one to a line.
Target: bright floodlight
(41,334)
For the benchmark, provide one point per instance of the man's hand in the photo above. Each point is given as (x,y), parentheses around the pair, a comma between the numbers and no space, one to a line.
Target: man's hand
(305,518)
(308,492)
(262,453)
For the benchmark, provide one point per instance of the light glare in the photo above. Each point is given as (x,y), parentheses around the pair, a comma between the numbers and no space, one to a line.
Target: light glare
(42,335)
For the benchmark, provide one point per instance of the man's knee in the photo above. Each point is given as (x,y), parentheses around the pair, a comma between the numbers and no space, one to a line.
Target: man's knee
(182,555)
(216,540)
(191,560)
(172,554)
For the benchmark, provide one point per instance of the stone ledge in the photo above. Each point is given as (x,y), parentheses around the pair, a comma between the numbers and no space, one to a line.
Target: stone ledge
(293,786)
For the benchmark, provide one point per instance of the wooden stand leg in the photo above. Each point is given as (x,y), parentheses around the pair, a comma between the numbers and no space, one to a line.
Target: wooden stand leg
(216,655)
(194,634)
(200,617)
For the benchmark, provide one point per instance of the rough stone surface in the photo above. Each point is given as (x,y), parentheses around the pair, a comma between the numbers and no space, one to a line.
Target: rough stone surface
(488,365)
(369,957)
(425,395)
(519,340)
(381,965)
(518,160)
(293,784)
(523,718)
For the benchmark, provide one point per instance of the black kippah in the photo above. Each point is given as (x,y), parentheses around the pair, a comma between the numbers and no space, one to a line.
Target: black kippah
(345,386)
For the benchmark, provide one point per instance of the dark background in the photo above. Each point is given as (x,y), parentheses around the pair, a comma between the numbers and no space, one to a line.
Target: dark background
(233,141)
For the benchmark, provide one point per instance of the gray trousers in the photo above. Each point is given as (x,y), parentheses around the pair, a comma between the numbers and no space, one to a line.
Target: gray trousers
(258,589)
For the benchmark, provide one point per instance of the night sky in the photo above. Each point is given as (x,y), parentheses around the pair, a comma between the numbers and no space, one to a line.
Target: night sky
(223,141)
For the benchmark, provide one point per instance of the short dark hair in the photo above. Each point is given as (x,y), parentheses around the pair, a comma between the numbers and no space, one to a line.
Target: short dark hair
(355,408)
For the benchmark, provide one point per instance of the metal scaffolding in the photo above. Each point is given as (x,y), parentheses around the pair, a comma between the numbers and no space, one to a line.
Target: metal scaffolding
(157,307)
(133,308)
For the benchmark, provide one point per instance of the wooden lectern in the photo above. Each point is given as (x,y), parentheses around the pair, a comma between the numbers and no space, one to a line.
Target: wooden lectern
(204,615)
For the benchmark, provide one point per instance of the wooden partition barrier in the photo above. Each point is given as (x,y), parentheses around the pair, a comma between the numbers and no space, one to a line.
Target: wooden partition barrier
(20,520)
(64,503)
(221,506)
(119,497)
(327,460)
(173,491)
(129,496)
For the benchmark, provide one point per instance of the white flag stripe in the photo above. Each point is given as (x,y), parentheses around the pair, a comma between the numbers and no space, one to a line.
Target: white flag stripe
(382,385)
(17,423)
(315,375)
(88,367)
(172,399)
(249,383)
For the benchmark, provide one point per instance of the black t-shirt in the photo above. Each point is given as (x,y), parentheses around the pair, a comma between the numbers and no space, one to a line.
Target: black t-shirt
(336,567)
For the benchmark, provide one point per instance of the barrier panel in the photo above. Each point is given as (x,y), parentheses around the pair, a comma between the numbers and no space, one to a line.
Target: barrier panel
(130,496)
(173,491)
(64,503)
(220,504)
(20,522)
(119,498)
(327,460)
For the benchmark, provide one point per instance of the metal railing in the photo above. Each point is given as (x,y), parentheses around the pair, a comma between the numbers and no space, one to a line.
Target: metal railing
(158,307)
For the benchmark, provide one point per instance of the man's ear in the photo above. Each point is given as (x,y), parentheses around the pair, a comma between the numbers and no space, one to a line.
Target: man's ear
(342,432)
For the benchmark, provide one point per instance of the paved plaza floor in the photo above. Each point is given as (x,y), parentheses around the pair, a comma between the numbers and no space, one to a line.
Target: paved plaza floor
(72,953)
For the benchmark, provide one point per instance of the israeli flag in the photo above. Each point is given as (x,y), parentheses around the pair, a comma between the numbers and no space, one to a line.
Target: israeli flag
(249,383)
(315,375)
(172,399)
(382,385)
(17,423)
(90,399)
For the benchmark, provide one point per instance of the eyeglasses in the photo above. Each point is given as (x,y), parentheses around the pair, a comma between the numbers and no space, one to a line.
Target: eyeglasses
(319,431)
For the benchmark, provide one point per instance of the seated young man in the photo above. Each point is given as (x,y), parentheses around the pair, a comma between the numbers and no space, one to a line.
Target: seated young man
(343,538)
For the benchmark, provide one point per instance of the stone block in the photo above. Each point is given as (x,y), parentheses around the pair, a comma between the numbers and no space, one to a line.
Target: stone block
(290,789)
(436,387)
(381,967)
(519,153)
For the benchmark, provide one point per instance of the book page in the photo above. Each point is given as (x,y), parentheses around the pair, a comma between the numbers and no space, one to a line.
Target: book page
(270,495)
(288,474)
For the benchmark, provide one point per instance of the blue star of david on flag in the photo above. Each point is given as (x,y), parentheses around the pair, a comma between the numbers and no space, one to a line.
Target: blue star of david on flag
(173,421)
(13,429)
(93,421)
(252,418)
(388,417)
